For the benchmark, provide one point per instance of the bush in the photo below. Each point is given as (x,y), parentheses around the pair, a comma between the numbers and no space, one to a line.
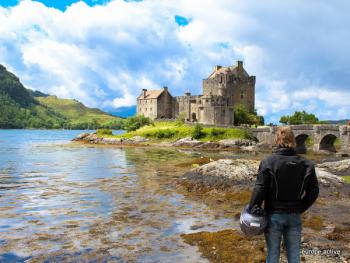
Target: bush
(136,122)
(243,116)
(198,132)
(160,134)
(104,132)
(214,132)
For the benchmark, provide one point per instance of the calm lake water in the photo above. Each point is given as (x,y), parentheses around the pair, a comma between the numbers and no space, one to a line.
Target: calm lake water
(64,201)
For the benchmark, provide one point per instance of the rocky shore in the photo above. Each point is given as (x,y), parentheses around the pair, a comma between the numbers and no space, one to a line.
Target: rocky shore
(326,224)
(188,142)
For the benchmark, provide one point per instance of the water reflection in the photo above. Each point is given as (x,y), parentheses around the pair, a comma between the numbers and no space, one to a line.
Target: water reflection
(61,202)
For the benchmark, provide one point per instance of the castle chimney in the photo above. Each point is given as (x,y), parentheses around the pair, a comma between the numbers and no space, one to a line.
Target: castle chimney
(217,67)
(165,88)
(187,93)
(144,92)
(240,64)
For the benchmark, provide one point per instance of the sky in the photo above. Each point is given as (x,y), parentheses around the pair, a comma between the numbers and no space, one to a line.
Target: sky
(103,53)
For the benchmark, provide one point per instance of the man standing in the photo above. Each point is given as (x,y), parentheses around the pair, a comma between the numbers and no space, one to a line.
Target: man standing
(287,184)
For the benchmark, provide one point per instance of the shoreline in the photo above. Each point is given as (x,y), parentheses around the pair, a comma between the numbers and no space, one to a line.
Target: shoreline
(182,143)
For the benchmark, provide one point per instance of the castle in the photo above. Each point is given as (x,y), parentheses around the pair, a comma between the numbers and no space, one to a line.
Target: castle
(224,88)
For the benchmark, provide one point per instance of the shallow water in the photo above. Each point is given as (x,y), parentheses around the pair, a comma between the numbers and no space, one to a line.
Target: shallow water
(63,201)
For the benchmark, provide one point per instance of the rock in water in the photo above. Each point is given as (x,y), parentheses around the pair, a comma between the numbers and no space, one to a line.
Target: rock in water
(339,167)
(328,179)
(188,142)
(222,174)
(81,136)
(139,139)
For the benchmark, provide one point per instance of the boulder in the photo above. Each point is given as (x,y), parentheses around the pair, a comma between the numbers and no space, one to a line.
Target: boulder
(328,179)
(139,139)
(81,136)
(188,142)
(236,142)
(339,167)
(111,140)
(222,174)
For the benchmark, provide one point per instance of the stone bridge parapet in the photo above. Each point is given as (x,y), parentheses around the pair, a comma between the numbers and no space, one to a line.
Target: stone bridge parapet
(317,137)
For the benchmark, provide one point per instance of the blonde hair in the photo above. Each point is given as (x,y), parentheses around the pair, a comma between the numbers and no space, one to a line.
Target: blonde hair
(285,137)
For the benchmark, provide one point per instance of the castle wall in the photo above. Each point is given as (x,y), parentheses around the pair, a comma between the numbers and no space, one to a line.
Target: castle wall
(186,105)
(165,105)
(147,107)
(223,89)
(244,92)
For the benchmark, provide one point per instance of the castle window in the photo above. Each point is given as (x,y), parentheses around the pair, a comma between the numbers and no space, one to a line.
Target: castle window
(242,95)
(151,109)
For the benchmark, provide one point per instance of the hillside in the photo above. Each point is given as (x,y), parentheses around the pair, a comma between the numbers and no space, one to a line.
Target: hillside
(22,108)
(77,113)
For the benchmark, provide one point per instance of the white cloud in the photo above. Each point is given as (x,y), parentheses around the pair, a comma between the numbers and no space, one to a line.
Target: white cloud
(104,55)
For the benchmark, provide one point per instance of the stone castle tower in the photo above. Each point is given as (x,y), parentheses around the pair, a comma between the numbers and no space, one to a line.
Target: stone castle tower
(224,88)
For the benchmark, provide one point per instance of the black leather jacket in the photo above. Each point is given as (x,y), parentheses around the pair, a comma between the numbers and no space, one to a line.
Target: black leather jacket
(286,182)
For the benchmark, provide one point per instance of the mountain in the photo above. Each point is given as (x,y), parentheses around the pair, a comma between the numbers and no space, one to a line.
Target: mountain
(23,108)
(341,122)
(124,111)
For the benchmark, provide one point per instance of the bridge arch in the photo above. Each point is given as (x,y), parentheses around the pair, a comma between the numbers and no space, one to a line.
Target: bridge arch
(327,143)
(301,142)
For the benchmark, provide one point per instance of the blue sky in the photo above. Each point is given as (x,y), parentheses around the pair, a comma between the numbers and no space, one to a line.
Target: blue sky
(104,52)
(59,4)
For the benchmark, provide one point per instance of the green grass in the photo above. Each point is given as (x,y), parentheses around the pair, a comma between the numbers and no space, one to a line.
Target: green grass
(346,178)
(170,131)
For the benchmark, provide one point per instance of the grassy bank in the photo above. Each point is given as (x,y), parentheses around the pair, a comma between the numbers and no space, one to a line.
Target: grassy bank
(170,131)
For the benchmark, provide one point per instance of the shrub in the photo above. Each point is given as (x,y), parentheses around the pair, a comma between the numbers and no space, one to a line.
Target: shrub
(167,133)
(198,132)
(136,122)
(214,132)
(104,132)
(243,116)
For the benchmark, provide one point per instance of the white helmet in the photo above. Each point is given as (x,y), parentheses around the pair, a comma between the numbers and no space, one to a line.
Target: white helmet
(253,224)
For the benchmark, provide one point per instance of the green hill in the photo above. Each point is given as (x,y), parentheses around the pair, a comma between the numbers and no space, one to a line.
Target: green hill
(22,108)
(77,112)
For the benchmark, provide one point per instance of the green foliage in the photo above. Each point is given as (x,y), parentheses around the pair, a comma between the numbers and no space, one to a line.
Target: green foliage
(309,142)
(136,122)
(299,117)
(167,133)
(243,116)
(215,132)
(10,85)
(198,132)
(101,132)
(162,130)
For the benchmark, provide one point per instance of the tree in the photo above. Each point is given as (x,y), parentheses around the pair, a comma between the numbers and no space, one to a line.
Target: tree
(198,131)
(243,116)
(299,117)
(136,122)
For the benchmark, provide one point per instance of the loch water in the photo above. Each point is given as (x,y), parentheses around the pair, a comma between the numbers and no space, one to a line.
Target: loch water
(62,201)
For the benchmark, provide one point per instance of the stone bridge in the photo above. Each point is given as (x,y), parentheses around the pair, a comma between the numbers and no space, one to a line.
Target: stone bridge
(318,137)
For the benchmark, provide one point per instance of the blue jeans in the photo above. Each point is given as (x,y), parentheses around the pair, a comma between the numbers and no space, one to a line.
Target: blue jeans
(289,226)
